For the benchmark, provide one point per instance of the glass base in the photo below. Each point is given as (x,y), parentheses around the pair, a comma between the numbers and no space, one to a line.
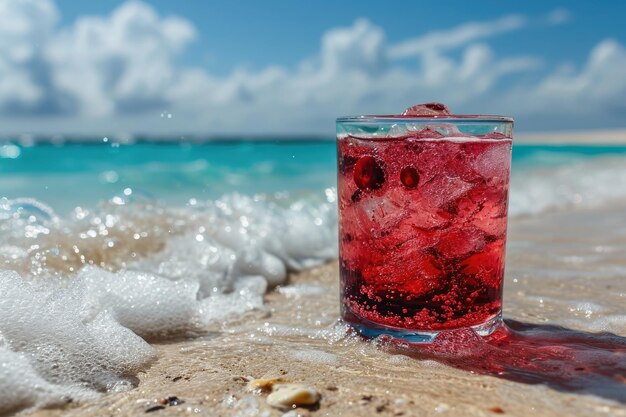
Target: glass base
(373,330)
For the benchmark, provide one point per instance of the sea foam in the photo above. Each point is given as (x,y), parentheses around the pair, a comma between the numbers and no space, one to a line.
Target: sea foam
(82,296)
(597,182)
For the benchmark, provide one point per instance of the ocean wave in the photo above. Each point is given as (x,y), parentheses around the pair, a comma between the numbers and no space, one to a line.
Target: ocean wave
(83,295)
(592,183)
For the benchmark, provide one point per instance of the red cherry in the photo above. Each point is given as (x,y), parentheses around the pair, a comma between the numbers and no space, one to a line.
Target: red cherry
(368,173)
(409,177)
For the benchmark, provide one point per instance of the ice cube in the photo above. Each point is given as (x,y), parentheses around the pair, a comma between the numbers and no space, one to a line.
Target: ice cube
(492,217)
(459,243)
(373,215)
(495,135)
(426,133)
(383,213)
(444,190)
(427,109)
(444,129)
(494,161)
(439,159)
(357,224)
(487,264)
(426,217)
(397,131)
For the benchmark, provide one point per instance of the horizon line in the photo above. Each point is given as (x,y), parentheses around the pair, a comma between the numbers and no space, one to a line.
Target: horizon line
(615,136)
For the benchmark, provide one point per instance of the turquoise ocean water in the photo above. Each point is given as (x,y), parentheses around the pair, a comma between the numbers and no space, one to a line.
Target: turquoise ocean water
(81,174)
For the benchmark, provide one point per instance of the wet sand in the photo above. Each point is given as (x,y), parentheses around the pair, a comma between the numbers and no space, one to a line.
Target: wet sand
(563,269)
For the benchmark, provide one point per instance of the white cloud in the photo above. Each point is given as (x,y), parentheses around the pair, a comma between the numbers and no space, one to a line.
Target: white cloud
(360,47)
(595,94)
(353,73)
(456,37)
(123,63)
(600,80)
(97,67)
(119,72)
(558,17)
(25,86)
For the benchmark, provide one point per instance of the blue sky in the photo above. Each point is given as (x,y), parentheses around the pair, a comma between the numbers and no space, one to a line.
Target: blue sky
(231,32)
(291,67)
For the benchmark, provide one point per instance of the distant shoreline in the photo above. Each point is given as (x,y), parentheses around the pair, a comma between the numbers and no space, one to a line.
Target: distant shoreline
(575,137)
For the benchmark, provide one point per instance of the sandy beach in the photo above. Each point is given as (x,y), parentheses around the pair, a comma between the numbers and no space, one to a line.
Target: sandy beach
(198,200)
(298,339)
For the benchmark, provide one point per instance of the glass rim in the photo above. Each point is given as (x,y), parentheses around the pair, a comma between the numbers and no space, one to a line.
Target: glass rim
(450,118)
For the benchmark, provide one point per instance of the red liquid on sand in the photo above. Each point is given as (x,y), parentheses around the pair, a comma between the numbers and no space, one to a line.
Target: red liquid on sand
(563,359)
(422,229)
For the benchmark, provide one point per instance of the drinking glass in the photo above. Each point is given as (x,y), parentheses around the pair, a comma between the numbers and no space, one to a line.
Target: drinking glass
(422,223)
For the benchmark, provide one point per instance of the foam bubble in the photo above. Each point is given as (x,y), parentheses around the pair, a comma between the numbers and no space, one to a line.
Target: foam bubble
(314,356)
(302,290)
(247,295)
(149,305)
(62,346)
(613,323)
(17,380)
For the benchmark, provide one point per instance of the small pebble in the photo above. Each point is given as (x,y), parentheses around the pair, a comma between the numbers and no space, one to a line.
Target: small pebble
(293,395)
(263,384)
(171,401)
(174,400)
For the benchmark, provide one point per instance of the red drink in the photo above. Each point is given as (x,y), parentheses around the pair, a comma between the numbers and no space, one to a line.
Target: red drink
(422,226)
